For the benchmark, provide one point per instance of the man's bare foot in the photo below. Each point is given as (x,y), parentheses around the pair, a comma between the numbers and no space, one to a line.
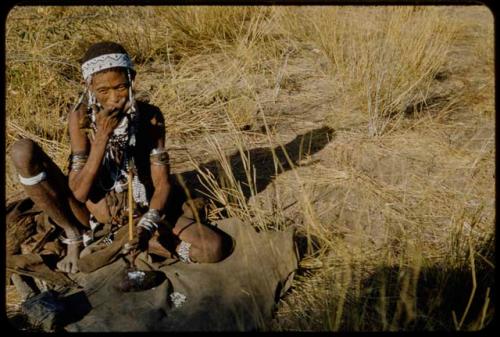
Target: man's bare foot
(69,263)
(155,247)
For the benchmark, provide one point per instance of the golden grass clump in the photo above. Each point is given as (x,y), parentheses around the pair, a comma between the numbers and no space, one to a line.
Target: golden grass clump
(383,59)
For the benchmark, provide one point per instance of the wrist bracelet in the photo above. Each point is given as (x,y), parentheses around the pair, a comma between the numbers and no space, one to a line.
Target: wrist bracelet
(153,215)
(149,225)
(149,220)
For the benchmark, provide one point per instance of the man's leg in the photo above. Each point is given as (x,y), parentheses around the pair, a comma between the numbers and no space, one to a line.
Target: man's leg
(24,286)
(51,193)
(200,243)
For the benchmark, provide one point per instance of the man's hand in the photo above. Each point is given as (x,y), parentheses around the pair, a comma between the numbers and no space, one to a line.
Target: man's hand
(139,243)
(145,230)
(107,119)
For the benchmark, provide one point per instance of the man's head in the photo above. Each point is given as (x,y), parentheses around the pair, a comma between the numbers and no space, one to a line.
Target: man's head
(108,71)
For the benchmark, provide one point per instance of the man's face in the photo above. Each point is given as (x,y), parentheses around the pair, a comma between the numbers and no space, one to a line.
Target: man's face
(111,89)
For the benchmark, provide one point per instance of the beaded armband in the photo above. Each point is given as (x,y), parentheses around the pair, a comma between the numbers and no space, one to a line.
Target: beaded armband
(77,161)
(159,156)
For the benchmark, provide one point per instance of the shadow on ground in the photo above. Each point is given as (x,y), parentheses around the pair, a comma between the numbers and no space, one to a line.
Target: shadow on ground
(440,290)
(268,163)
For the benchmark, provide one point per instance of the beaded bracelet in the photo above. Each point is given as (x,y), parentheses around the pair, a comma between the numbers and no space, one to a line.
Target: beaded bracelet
(149,225)
(149,220)
(78,161)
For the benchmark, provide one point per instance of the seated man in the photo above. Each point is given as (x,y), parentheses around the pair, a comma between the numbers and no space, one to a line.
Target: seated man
(112,135)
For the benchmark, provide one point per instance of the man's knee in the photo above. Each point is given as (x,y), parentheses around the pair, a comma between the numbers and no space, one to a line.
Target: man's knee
(23,153)
(214,250)
(207,251)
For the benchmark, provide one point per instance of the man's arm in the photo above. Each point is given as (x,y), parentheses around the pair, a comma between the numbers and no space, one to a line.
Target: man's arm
(161,183)
(160,169)
(81,181)
(160,172)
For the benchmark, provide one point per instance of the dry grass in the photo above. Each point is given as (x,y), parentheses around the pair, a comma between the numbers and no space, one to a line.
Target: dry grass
(395,211)
(383,58)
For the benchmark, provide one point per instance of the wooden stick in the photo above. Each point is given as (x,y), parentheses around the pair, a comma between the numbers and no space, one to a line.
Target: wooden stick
(130,207)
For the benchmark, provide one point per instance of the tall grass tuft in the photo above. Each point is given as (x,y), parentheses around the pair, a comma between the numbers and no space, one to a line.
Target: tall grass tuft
(383,59)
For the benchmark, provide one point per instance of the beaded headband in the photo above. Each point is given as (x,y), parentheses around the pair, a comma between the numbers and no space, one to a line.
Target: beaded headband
(105,62)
